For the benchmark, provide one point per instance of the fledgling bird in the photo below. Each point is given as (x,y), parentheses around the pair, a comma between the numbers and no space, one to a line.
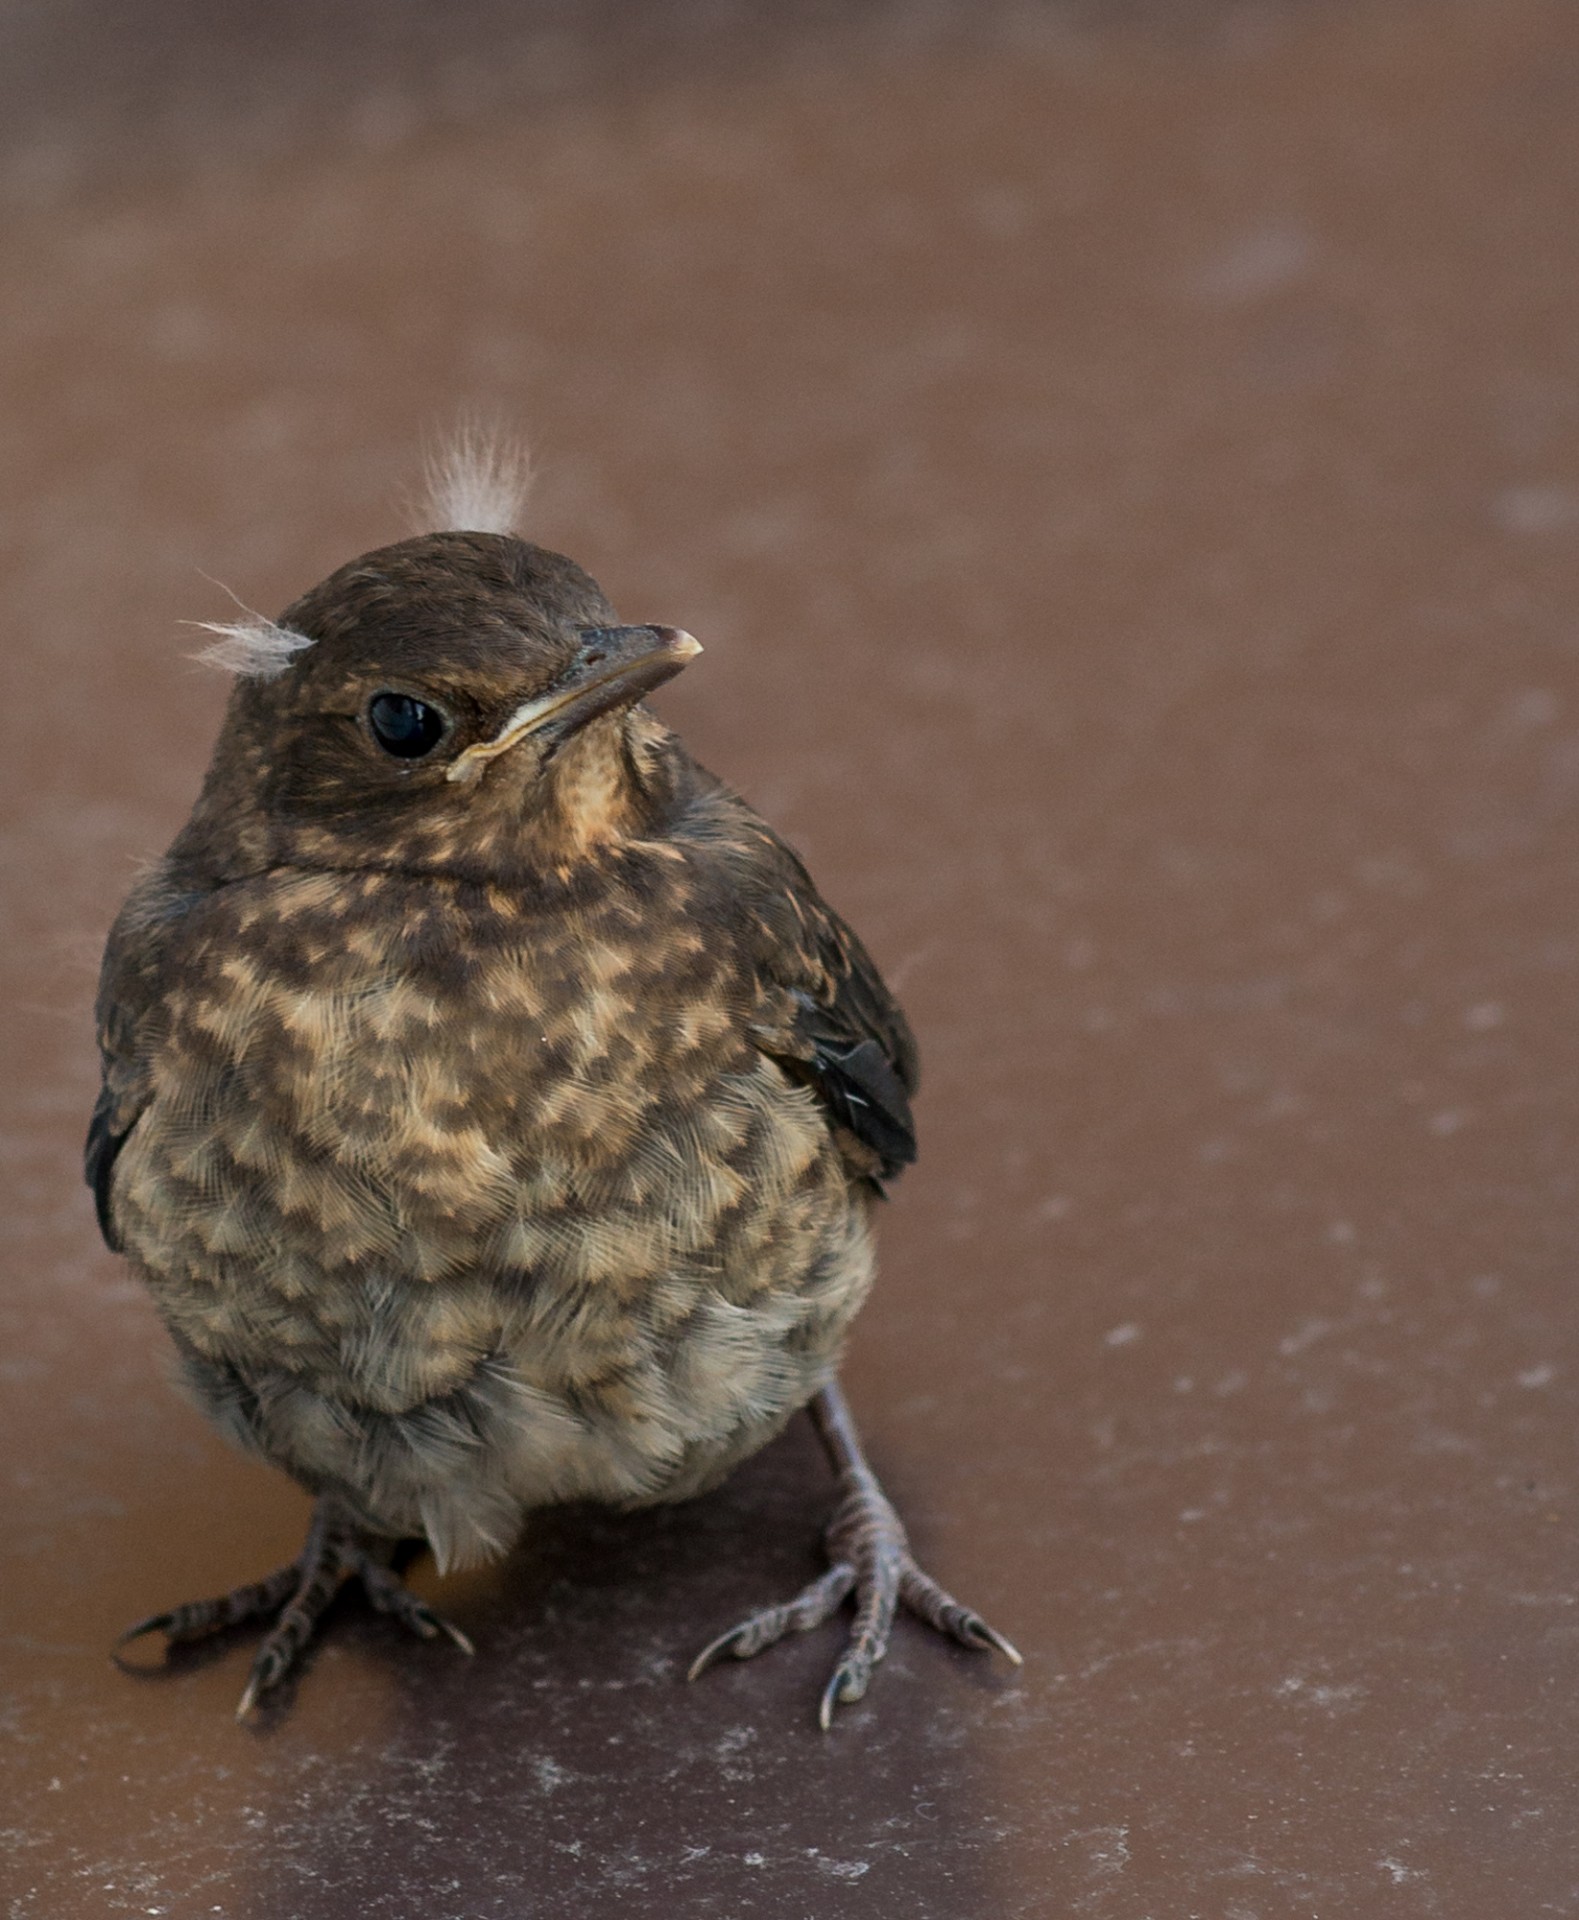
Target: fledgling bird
(491,1104)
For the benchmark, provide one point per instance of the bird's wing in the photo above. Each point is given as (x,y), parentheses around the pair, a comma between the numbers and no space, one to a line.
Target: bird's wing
(856,1050)
(107,1131)
(128,988)
(827,1016)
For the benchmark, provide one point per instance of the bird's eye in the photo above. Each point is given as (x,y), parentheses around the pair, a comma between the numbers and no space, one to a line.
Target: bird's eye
(404,727)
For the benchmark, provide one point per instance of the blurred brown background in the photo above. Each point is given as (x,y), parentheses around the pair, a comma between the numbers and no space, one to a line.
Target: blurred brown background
(1123,461)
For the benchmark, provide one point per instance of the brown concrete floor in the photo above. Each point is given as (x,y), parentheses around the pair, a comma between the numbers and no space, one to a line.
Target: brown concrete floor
(1124,464)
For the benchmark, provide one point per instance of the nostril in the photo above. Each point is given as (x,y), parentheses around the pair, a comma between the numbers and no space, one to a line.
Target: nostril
(593,655)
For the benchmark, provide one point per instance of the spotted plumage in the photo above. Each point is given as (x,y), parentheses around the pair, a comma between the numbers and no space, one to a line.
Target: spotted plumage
(491,1105)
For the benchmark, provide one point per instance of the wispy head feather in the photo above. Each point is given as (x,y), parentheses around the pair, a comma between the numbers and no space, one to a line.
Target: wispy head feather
(477,482)
(254,647)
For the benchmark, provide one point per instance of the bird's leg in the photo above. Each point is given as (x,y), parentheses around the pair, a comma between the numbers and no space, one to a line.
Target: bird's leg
(871,1558)
(295,1597)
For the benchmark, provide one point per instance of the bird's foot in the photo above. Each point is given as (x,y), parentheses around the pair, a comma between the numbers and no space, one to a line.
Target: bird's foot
(871,1559)
(295,1597)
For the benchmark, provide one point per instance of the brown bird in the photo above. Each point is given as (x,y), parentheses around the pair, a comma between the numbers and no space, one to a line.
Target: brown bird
(491,1104)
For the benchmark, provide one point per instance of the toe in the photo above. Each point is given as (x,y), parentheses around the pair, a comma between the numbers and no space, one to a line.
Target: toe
(928,1601)
(389,1594)
(810,1607)
(740,1642)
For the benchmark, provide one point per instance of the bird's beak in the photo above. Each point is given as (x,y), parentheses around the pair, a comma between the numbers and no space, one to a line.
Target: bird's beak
(613,666)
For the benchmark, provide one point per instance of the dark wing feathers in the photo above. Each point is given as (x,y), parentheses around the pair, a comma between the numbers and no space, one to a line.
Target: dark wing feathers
(128,987)
(104,1142)
(844,1033)
(864,1094)
(862,1058)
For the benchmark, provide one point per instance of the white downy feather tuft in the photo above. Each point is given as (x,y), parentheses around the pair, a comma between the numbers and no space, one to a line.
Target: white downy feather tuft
(477,483)
(255,647)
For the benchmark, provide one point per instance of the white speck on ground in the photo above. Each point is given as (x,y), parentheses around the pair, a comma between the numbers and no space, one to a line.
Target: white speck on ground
(844,1869)
(1397,1872)
(1306,1334)
(1535,509)
(1255,264)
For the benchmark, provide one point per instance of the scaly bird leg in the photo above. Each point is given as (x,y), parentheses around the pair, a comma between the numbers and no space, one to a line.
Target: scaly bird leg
(871,1558)
(295,1597)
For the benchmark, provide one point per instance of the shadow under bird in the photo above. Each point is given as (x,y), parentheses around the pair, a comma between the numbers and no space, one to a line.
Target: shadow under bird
(491,1104)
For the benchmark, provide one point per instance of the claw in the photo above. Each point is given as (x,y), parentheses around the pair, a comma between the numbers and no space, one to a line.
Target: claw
(155,1623)
(990,1637)
(389,1597)
(274,1660)
(430,1625)
(714,1650)
(846,1687)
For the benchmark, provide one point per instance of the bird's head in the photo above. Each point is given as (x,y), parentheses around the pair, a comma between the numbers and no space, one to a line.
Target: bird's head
(460,702)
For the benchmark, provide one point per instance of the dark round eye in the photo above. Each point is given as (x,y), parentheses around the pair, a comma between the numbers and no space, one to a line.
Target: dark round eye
(404,727)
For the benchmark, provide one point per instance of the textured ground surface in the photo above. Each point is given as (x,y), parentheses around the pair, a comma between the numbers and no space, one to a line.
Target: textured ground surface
(1123,462)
